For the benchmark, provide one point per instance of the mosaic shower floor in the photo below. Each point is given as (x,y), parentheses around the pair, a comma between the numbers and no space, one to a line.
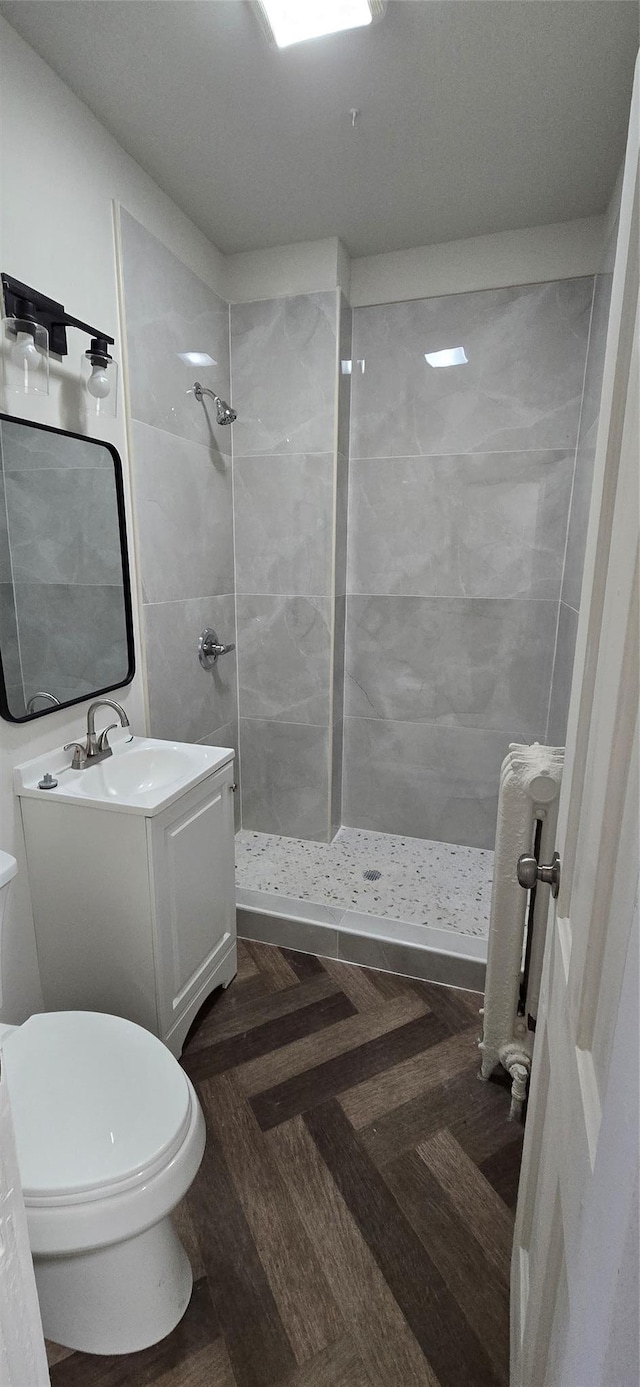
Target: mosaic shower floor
(438,893)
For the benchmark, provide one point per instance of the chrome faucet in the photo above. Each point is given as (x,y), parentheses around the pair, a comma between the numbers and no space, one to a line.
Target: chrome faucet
(96,747)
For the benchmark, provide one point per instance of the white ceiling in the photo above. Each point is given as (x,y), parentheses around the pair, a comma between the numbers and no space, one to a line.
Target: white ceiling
(475,115)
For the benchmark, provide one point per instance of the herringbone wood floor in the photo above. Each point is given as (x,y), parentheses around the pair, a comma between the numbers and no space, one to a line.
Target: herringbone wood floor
(351,1223)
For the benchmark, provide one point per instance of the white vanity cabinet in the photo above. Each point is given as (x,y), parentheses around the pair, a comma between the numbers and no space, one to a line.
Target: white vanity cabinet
(192,877)
(134,911)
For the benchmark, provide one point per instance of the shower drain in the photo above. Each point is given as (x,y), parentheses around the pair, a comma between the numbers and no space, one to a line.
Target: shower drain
(372,875)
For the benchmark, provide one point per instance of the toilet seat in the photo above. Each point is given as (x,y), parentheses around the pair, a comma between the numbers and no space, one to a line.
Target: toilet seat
(99,1105)
(121,1073)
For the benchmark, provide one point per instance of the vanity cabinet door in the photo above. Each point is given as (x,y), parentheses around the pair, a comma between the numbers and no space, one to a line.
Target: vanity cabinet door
(191,851)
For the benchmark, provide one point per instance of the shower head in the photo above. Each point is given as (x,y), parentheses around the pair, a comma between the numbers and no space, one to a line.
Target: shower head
(224,413)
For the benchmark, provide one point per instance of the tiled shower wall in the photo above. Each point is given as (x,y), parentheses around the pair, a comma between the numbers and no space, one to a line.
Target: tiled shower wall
(446,585)
(579,514)
(460,486)
(181,465)
(284,388)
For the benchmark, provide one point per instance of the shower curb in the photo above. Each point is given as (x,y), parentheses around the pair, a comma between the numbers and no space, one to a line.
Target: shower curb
(370,941)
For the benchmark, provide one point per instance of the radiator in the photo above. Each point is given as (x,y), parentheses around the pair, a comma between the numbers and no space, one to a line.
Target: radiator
(527,819)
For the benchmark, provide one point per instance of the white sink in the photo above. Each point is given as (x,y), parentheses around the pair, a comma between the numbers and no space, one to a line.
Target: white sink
(142,776)
(135,772)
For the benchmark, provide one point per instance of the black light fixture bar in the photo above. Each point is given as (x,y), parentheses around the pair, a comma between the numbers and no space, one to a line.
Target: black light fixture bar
(22,302)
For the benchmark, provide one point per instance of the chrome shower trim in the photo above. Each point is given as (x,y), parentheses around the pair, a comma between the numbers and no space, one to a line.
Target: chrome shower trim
(224,413)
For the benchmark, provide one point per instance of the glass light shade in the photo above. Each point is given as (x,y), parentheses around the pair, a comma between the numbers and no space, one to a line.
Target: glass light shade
(100,387)
(25,357)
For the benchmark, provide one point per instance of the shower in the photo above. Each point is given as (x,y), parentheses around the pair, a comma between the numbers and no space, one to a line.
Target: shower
(224,413)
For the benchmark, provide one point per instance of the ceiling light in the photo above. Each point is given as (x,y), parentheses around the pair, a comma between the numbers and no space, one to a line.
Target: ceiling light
(197,359)
(449,356)
(291,21)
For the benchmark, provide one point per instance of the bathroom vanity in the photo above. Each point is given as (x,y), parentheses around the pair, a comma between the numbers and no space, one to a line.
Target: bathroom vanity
(131,870)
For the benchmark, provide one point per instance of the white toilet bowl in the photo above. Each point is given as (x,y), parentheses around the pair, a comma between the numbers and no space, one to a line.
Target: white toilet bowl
(109,1134)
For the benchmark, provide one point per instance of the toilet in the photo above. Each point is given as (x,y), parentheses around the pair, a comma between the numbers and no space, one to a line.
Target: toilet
(109,1135)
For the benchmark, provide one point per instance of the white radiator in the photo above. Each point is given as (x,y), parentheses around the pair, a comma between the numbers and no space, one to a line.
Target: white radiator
(527,819)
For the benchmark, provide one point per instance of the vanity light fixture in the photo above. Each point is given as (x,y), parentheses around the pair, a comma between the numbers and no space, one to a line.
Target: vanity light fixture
(449,356)
(292,21)
(25,358)
(100,374)
(35,326)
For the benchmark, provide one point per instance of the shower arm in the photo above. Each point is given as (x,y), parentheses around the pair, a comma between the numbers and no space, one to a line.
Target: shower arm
(224,413)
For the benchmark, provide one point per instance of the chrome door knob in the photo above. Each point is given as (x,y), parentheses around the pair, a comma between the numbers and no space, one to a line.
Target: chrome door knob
(530,872)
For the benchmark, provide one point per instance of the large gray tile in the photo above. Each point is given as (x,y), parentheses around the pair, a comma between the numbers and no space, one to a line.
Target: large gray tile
(184,516)
(341,523)
(168,311)
(27,448)
(578,524)
(63,526)
(520,388)
(337,747)
(337,711)
(481,525)
(284,658)
(6,575)
(186,701)
(228,736)
(71,635)
(285,778)
(595,357)
(585,455)
(284,523)
(451,661)
(302,935)
(345,330)
(562,676)
(426,781)
(15,700)
(9,648)
(339,637)
(411,961)
(283,354)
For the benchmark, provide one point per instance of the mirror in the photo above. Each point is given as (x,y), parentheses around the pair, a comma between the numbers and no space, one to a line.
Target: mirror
(66,631)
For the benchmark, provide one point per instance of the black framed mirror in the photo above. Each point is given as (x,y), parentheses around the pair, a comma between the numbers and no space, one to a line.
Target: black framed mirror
(66,628)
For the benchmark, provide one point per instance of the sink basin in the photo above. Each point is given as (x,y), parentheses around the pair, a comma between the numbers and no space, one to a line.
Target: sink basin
(143,776)
(135,772)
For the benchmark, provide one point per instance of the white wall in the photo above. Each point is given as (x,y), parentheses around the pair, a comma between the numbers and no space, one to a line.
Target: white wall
(531,256)
(307,267)
(59,174)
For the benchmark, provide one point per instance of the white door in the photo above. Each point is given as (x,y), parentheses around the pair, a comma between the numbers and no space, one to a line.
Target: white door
(23,1361)
(575,1258)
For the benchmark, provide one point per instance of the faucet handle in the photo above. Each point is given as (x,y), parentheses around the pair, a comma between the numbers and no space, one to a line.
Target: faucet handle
(79,755)
(103,744)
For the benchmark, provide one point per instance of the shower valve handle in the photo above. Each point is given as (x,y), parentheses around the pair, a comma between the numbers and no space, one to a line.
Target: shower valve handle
(210,648)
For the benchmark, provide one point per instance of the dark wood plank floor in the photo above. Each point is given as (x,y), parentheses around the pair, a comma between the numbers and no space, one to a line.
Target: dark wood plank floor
(351,1223)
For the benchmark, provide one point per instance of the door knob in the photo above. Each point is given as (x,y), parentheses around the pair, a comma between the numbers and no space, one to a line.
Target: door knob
(210,648)
(530,872)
